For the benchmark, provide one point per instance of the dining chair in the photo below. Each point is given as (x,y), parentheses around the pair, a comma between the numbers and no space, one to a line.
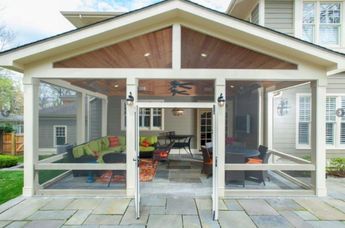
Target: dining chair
(185,144)
(260,175)
(207,162)
(235,176)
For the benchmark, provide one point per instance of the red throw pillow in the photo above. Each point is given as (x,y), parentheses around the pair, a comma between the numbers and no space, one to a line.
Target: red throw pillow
(113,141)
(145,143)
(254,161)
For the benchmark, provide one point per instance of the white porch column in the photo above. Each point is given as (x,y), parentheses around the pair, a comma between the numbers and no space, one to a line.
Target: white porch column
(220,111)
(262,12)
(31,95)
(130,135)
(81,119)
(268,120)
(176,47)
(318,136)
(104,117)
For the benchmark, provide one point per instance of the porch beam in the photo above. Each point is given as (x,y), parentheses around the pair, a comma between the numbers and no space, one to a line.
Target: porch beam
(81,118)
(318,136)
(175,105)
(68,85)
(31,95)
(176,46)
(301,74)
(104,117)
(80,166)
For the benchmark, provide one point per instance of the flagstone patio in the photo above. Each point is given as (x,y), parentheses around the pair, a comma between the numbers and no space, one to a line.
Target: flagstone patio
(160,211)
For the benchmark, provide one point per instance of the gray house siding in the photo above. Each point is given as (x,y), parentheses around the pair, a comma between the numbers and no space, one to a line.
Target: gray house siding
(95,115)
(46,131)
(284,127)
(279,15)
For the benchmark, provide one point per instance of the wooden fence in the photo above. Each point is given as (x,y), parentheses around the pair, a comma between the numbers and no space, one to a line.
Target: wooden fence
(12,143)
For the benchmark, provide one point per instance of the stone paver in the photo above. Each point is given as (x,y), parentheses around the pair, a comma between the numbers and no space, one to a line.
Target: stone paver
(130,218)
(235,219)
(17,224)
(281,204)
(294,219)
(4,223)
(271,221)
(103,219)
(206,219)
(57,204)
(306,215)
(181,205)
(166,221)
(153,201)
(191,221)
(45,224)
(233,205)
(24,209)
(112,206)
(327,224)
(339,204)
(157,211)
(85,203)
(321,210)
(79,217)
(257,207)
(54,215)
(206,203)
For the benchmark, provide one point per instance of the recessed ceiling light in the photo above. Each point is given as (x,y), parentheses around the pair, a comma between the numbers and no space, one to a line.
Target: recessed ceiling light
(204,55)
(232,86)
(116,85)
(147,54)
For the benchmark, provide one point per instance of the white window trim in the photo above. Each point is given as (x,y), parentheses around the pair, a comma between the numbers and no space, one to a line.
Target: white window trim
(151,128)
(317,22)
(302,146)
(54,127)
(336,145)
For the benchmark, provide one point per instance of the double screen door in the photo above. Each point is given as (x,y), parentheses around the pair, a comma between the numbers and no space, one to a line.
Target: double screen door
(210,120)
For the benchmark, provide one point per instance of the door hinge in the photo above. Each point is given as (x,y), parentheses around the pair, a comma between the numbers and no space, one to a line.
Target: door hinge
(216,161)
(214,110)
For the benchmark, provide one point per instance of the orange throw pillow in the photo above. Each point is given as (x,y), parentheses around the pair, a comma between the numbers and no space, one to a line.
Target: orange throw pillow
(113,141)
(254,161)
(145,143)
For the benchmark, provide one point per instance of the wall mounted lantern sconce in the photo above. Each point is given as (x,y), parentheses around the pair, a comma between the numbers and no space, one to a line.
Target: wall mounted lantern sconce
(130,99)
(221,100)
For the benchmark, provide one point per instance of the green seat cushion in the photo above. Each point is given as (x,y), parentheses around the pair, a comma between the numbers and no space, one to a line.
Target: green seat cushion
(105,143)
(115,149)
(94,146)
(147,149)
(78,151)
(122,140)
(88,151)
(100,157)
(151,139)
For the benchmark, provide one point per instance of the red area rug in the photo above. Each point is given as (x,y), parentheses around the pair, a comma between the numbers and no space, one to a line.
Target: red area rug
(148,170)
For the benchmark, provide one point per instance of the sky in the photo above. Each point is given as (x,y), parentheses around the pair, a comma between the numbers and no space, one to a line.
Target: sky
(37,19)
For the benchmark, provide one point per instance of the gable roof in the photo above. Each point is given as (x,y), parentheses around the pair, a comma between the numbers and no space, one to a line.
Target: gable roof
(17,57)
(65,110)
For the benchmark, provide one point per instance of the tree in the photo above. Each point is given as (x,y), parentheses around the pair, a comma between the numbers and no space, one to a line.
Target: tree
(50,95)
(11,98)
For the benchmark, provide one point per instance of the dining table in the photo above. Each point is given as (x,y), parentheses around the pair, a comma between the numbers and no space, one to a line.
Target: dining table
(182,141)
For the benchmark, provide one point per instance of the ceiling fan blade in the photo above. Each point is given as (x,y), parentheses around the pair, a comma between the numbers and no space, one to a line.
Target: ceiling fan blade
(185,87)
(185,83)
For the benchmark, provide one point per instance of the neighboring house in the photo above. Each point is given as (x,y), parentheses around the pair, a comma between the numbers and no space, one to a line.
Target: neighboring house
(132,64)
(16,121)
(57,125)
(320,22)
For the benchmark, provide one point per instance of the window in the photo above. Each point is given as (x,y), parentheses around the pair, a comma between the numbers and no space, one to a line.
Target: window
(342,122)
(60,135)
(303,120)
(322,22)
(330,120)
(309,12)
(149,118)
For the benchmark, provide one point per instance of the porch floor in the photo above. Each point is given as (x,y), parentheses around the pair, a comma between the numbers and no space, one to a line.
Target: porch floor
(178,211)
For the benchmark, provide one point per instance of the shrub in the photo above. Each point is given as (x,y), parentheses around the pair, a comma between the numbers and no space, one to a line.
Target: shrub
(7,128)
(336,167)
(7,161)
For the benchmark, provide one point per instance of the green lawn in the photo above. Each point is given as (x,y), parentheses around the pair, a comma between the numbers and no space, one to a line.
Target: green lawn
(11,184)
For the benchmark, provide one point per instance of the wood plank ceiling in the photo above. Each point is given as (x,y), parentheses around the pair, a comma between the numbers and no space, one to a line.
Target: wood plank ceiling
(152,50)
(203,51)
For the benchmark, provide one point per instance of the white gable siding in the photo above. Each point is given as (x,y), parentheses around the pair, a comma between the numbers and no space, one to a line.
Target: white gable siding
(279,15)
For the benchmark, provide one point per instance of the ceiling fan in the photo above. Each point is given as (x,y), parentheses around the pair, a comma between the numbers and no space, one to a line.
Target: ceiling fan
(181,88)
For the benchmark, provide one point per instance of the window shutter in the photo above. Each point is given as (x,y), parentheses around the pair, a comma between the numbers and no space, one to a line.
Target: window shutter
(329,133)
(303,133)
(304,120)
(330,109)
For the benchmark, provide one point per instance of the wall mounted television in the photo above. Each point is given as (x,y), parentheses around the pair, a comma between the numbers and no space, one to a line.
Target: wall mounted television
(243,124)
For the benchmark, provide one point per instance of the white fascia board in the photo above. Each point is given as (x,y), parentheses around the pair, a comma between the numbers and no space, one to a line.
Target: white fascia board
(169,10)
(67,85)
